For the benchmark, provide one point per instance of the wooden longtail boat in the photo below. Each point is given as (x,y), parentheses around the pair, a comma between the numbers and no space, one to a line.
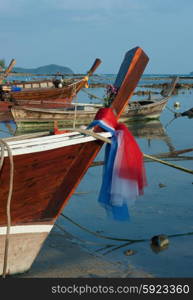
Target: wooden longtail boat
(46,171)
(149,109)
(48,97)
(29,117)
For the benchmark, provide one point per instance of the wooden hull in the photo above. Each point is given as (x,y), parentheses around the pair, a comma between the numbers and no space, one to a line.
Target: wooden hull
(145,109)
(47,97)
(42,97)
(31,117)
(27,118)
(6,116)
(37,198)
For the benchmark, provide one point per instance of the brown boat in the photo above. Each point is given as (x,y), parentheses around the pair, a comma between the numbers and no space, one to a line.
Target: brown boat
(40,173)
(30,118)
(51,97)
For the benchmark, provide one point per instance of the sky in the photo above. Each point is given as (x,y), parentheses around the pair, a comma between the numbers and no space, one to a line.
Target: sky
(73,33)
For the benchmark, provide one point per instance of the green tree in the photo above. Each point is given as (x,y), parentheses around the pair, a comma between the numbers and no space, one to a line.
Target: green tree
(2,63)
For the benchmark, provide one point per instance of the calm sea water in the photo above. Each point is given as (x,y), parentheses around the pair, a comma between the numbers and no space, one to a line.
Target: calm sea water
(161,210)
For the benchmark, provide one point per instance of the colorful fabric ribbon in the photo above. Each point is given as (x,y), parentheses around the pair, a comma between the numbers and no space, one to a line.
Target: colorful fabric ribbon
(124,173)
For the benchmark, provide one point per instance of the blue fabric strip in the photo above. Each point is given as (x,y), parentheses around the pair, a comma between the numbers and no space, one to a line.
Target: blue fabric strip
(120,213)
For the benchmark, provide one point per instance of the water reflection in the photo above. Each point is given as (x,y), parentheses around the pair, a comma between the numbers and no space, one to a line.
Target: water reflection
(151,130)
(7,128)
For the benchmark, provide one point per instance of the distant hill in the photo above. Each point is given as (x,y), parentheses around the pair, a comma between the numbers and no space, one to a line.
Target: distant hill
(49,69)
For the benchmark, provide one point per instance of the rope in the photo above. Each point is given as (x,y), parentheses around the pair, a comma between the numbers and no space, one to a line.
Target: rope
(128,241)
(80,240)
(168,164)
(92,95)
(91,133)
(105,78)
(99,235)
(173,111)
(75,110)
(4,145)
(75,93)
(97,136)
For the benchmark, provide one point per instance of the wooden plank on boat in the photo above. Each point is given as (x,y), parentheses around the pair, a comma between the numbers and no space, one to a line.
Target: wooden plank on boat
(137,62)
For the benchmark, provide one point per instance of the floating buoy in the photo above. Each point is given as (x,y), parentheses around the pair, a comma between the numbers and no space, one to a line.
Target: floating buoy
(177,104)
(160,240)
(159,243)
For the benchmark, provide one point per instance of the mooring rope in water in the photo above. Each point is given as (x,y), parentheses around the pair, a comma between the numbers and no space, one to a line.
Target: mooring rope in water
(84,241)
(4,145)
(168,164)
(128,241)
(97,136)
(100,235)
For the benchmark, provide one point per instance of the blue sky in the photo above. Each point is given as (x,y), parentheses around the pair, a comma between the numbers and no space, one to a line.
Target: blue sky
(74,32)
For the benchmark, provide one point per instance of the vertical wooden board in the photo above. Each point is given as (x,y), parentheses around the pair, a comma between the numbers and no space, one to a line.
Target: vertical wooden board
(137,62)
(124,67)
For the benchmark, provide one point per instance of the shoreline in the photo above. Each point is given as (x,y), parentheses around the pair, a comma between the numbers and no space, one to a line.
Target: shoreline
(60,257)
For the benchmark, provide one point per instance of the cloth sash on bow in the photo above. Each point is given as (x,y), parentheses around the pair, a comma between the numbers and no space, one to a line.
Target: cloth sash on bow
(123,174)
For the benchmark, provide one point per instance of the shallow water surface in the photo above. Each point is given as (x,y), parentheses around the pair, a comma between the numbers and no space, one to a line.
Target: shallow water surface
(165,208)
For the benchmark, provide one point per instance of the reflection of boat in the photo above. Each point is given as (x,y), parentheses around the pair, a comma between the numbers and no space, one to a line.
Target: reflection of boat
(47,97)
(47,170)
(150,130)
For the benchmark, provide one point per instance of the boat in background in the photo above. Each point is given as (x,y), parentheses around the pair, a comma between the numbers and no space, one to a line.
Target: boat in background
(150,108)
(46,170)
(30,118)
(53,97)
